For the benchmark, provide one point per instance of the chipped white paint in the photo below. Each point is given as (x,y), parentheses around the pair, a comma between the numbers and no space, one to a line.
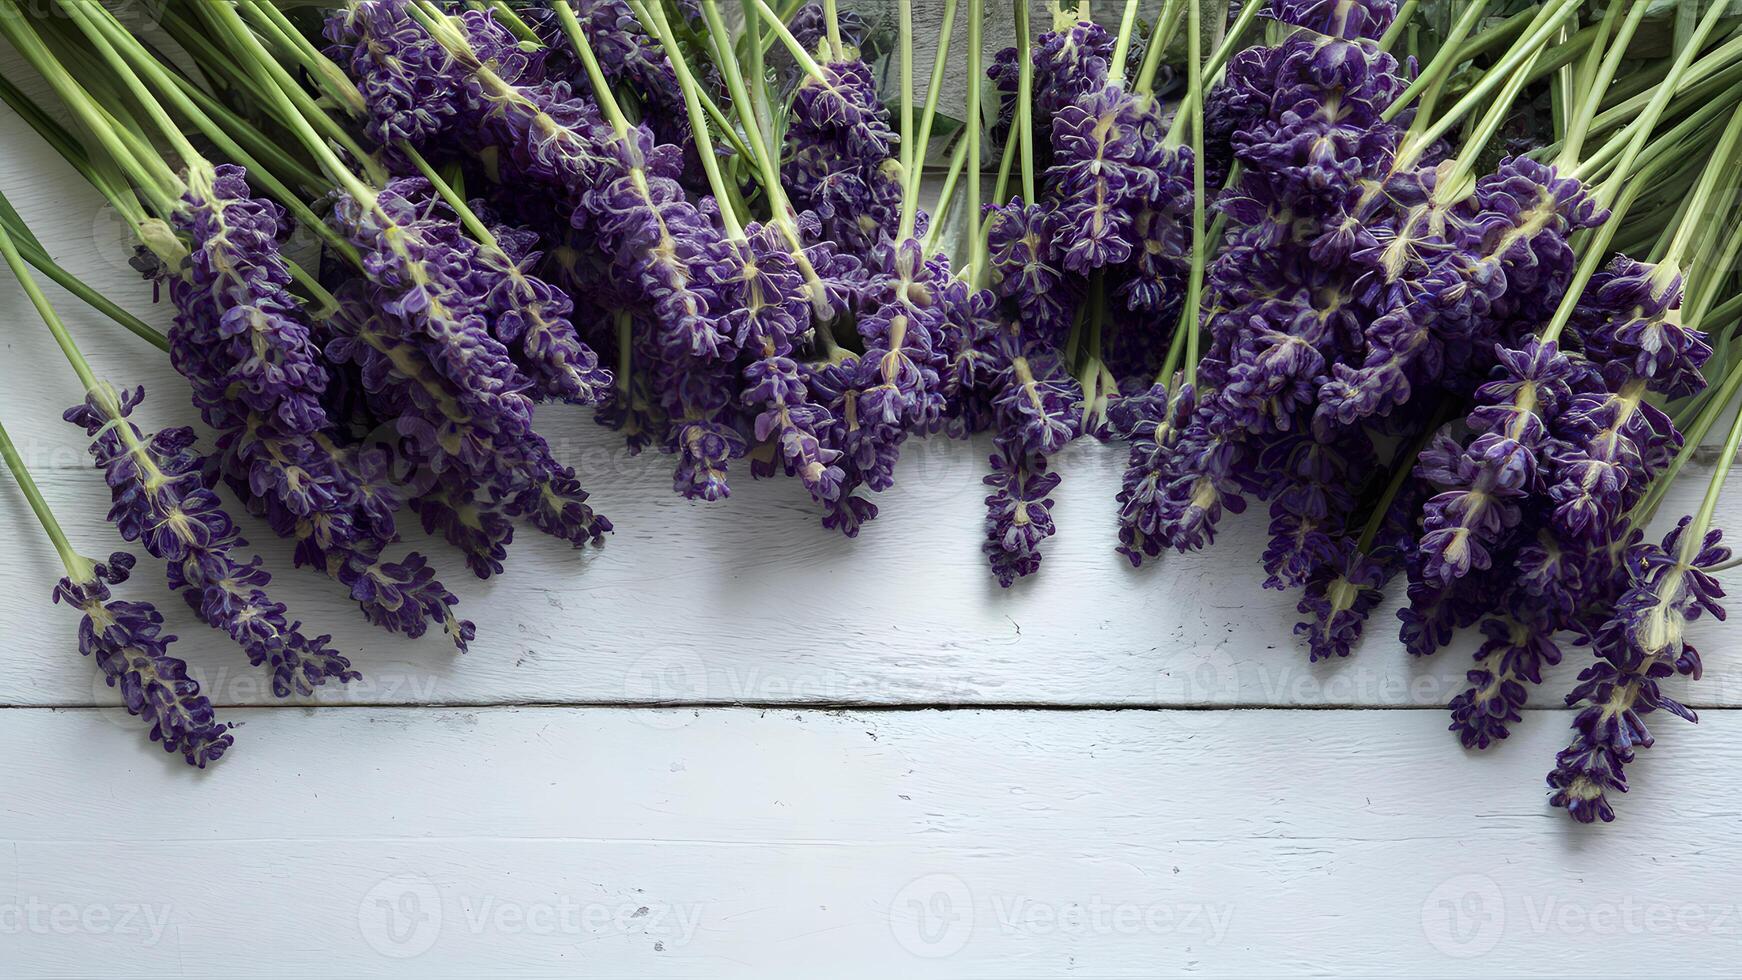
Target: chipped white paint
(427,822)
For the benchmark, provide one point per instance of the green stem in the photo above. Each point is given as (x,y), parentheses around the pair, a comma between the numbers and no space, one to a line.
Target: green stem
(742,101)
(910,194)
(1453,184)
(225,17)
(906,27)
(116,192)
(799,54)
(946,198)
(698,121)
(976,33)
(36,256)
(1166,22)
(1403,466)
(1554,14)
(1596,249)
(1025,98)
(1716,68)
(79,568)
(1694,537)
(44,309)
(1717,171)
(758,104)
(1398,24)
(155,180)
(508,15)
(168,88)
(1432,80)
(1122,46)
(1602,76)
(1195,286)
(328,75)
(1231,43)
(1706,288)
(468,218)
(1660,98)
(832,23)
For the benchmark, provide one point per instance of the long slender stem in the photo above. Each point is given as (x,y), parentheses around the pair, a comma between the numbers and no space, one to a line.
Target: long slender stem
(263,61)
(1660,98)
(160,118)
(44,309)
(793,45)
(1195,286)
(167,88)
(1166,22)
(328,75)
(906,16)
(78,566)
(1122,44)
(1717,171)
(155,180)
(698,121)
(1601,77)
(1399,23)
(1432,79)
(910,193)
(1025,99)
(34,254)
(1694,537)
(976,34)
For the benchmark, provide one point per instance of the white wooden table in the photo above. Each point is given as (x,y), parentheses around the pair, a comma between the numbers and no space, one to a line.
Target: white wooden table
(731,744)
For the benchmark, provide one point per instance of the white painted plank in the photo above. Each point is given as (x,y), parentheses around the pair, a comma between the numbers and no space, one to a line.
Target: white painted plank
(524,842)
(751,601)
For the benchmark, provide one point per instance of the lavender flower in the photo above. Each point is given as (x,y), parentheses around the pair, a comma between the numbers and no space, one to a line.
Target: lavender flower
(161,501)
(839,160)
(1517,649)
(1639,646)
(1487,481)
(1019,512)
(126,640)
(1341,593)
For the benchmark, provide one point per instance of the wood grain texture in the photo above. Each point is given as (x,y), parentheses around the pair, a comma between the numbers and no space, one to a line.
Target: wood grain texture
(404,827)
(737,843)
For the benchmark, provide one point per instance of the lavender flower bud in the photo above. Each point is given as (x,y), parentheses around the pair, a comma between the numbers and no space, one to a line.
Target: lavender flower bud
(126,640)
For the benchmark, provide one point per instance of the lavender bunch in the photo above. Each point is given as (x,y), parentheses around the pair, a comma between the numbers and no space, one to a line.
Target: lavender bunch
(258,378)
(160,501)
(126,639)
(419,332)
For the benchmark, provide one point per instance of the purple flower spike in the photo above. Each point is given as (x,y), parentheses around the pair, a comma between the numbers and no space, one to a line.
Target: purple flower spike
(412,90)
(1488,481)
(161,501)
(1339,597)
(1105,157)
(1027,271)
(1514,654)
(1629,315)
(1152,423)
(1642,643)
(1347,19)
(127,641)
(1018,512)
